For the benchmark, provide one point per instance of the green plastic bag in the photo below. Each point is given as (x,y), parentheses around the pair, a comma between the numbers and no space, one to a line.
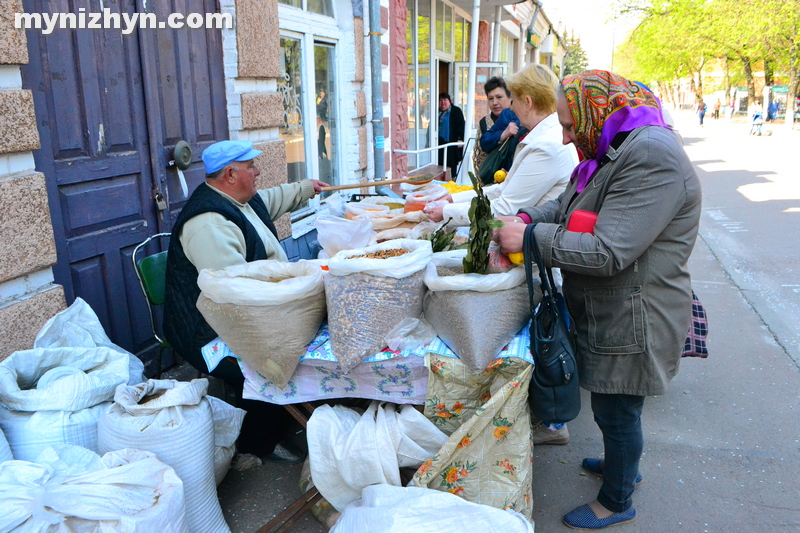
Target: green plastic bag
(494,162)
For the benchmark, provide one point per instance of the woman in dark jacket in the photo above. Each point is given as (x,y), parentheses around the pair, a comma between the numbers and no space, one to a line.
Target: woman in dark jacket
(627,284)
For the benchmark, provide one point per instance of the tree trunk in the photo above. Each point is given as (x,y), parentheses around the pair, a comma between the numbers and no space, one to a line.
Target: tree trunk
(751,85)
(794,78)
(727,78)
(700,79)
(769,74)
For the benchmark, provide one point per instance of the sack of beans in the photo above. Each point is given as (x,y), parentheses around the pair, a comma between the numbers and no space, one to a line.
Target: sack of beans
(267,312)
(369,291)
(476,315)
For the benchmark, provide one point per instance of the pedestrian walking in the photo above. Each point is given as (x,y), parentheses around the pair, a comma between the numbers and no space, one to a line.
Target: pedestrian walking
(717,106)
(701,111)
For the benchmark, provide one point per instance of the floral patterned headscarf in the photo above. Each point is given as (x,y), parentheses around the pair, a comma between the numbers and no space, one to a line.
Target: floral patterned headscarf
(603,104)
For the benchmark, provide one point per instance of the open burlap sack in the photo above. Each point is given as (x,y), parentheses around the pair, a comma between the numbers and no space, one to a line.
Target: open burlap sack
(266,323)
(476,315)
(368,297)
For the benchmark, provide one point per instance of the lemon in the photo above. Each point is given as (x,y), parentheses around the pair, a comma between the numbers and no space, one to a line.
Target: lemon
(517,258)
(500,176)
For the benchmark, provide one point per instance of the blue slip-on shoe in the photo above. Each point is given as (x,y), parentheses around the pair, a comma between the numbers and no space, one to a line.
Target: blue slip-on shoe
(595,466)
(584,518)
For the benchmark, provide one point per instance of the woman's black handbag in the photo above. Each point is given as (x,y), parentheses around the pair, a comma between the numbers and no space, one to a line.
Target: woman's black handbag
(554,394)
(494,162)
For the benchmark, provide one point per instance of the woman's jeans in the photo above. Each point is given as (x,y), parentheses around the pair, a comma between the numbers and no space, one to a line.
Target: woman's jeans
(619,417)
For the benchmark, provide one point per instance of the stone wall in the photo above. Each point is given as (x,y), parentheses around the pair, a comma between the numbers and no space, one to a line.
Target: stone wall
(28,296)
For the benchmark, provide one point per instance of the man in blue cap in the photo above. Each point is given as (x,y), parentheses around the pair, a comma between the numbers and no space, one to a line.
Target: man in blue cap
(226,222)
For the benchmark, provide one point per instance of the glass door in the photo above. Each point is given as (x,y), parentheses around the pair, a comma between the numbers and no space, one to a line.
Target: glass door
(484,71)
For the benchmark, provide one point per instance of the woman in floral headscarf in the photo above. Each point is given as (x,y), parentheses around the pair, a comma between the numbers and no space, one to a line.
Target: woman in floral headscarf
(626,280)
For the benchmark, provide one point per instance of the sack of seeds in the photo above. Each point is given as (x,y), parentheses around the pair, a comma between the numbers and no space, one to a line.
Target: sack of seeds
(266,312)
(369,291)
(474,314)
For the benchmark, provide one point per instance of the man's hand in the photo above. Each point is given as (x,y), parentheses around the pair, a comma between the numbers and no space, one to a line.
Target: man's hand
(511,235)
(319,186)
(510,131)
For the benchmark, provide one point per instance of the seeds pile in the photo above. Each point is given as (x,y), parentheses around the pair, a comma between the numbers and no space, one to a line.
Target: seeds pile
(276,280)
(381,254)
(363,309)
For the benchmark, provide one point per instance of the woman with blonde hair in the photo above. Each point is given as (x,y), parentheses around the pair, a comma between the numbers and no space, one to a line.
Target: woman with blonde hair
(542,165)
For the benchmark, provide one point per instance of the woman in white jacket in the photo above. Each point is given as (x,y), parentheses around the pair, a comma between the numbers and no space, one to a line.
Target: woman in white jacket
(542,164)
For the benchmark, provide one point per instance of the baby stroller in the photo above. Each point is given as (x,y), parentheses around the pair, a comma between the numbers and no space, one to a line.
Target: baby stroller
(756,123)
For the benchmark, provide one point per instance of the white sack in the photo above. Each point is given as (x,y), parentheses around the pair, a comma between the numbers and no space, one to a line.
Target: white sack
(348,451)
(335,234)
(267,324)
(52,396)
(73,489)
(396,267)
(247,283)
(393,219)
(173,420)
(476,315)
(227,425)
(78,327)
(389,509)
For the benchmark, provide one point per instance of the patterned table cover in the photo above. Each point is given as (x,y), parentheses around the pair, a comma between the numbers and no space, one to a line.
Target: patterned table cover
(396,376)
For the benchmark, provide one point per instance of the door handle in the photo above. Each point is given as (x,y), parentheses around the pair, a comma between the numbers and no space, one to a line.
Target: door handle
(182,159)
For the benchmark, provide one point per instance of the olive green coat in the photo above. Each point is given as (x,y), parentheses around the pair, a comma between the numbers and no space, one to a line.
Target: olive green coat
(627,286)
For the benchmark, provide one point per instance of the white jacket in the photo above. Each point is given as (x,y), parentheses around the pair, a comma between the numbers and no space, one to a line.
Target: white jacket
(541,170)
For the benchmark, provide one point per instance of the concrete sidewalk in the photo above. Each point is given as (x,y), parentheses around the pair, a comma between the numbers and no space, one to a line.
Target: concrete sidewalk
(722,447)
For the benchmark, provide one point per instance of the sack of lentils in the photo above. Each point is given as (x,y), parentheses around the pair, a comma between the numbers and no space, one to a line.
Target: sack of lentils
(267,312)
(476,315)
(369,291)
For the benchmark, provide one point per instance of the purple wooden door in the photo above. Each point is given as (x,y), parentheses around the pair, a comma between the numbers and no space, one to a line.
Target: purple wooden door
(110,107)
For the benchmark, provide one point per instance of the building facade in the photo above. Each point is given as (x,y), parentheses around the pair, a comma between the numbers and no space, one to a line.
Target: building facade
(92,118)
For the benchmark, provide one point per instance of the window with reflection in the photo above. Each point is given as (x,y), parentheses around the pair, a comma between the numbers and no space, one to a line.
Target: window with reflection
(418,37)
(290,87)
(321,7)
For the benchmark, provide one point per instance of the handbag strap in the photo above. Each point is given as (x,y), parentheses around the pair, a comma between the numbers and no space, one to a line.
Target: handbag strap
(531,253)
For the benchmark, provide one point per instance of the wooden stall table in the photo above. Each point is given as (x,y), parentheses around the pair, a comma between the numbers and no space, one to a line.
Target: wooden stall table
(391,376)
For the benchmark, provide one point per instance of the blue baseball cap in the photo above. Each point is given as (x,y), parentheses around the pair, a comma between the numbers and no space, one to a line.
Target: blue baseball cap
(220,154)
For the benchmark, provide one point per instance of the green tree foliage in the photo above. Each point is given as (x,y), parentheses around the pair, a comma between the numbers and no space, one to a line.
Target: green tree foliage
(576,61)
(678,38)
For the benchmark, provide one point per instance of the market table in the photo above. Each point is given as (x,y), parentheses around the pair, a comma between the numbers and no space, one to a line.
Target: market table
(395,376)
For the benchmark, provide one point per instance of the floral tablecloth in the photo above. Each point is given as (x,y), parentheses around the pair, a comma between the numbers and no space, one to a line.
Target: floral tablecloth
(395,376)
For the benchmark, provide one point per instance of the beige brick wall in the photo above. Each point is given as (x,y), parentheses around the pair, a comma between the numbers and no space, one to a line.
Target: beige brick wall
(261,110)
(361,104)
(272,164)
(26,232)
(17,122)
(13,44)
(358,31)
(257,38)
(21,321)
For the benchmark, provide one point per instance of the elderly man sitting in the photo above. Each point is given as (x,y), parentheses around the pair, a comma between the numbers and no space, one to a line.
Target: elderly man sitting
(227,221)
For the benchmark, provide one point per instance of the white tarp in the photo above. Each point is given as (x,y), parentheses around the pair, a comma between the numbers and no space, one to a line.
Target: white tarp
(70,488)
(390,509)
(349,451)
